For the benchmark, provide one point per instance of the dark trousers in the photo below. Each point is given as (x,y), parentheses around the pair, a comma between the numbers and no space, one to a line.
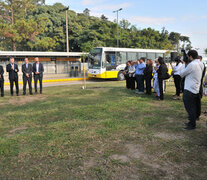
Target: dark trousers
(132,83)
(36,78)
(191,102)
(148,86)
(25,80)
(136,81)
(127,81)
(12,81)
(198,107)
(2,87)
(140,82)
(161,88)
(177,81)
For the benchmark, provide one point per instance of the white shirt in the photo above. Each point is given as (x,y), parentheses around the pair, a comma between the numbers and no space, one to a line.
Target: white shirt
(12,66)
(37,67)
(177,68)
(193,74)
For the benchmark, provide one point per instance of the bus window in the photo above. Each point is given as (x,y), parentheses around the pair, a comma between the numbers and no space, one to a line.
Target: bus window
(110,59)
(159,55)
(151,56)
(121,57)
(132,56)
(142,55)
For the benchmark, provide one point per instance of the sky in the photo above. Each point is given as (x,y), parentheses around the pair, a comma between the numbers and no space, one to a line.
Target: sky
(188,17)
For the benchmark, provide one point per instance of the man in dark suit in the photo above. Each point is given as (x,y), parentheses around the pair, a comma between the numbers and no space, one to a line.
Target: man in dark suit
(2,80)
(38,70)
(13,70)
(27,76)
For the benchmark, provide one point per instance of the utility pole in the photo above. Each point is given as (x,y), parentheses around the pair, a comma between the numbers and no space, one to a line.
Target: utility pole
(66,24)
(117,11)
(66,19)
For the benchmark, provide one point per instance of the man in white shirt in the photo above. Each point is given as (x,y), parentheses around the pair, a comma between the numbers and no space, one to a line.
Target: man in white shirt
(193,74)
(177,78)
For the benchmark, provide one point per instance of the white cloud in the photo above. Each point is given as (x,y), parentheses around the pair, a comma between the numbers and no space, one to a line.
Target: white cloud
(152,20)
(111,7)
(204,17)
(91,2)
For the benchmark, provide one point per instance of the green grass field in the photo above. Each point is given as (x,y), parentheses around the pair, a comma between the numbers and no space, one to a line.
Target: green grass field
(103,132)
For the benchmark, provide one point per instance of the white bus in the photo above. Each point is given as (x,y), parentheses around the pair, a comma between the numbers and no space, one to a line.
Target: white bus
(108,62)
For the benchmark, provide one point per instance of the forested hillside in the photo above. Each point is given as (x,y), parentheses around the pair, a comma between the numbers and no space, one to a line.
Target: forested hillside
(26,25)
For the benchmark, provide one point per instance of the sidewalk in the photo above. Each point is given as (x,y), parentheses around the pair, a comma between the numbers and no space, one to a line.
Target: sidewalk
(53,82)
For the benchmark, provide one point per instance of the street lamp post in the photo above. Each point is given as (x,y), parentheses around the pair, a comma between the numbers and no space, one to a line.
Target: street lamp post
(117,11)
(66,23)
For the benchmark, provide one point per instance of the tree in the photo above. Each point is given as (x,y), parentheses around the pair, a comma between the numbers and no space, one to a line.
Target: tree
(175,38)
(43,29)
(104,18)
(125,24)
(86,12)
(15,27)
(206,51)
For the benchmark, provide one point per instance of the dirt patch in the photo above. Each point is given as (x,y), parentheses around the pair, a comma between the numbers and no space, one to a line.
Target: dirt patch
(16,130)
(168,136)
(131,152)
(89,164)
(121,158)
(137,152)
(25,99)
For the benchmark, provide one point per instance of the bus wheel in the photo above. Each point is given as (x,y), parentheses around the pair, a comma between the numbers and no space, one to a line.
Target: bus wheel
(120,76)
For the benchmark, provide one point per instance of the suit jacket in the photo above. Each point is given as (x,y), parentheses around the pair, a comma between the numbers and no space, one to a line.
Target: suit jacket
(28,70)
(1,73)
(12,74)
(41,69)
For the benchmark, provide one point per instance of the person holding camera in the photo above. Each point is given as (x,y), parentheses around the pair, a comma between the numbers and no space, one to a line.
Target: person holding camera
(176,76)
(191,97)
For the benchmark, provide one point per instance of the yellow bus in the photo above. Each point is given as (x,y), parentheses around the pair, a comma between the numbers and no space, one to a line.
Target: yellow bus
(109,63)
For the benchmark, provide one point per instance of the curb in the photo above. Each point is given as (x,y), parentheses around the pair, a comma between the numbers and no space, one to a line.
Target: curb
(54,80)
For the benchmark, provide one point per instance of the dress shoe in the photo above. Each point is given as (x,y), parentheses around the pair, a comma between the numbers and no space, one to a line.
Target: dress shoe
(188,128)
(186,123)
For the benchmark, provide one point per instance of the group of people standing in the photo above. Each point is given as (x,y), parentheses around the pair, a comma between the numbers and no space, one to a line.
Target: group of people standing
(27,69)
(140,72)
(188,79)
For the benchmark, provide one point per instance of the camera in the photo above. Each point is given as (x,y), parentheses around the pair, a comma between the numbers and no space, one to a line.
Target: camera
(185,57)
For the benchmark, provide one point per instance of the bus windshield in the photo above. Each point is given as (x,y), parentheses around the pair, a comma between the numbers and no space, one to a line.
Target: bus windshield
(94,58)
